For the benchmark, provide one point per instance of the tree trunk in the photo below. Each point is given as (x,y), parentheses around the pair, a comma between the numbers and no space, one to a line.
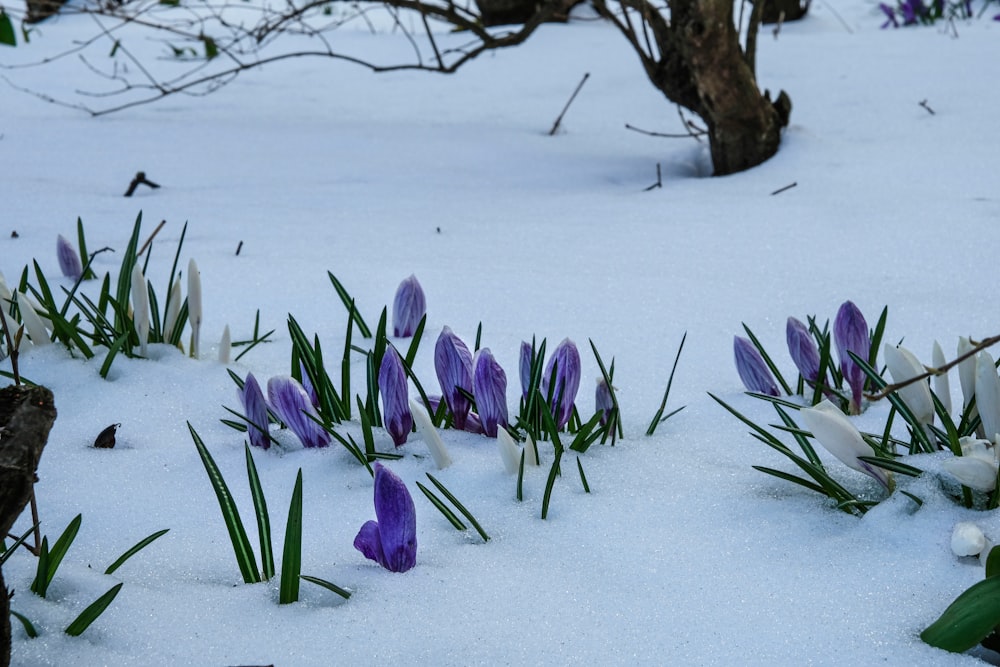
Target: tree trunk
(26,417)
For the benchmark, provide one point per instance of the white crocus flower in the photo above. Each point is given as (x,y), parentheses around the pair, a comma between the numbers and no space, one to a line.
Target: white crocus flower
(530,452)
(194,306)
(140,308)
(988,395)
(838,435)
(942,386)
(173,311)
(509,451)
(430,435)
(967,539)
(904,365)
(32,322)
(225,346)
(976,468)
(966,372)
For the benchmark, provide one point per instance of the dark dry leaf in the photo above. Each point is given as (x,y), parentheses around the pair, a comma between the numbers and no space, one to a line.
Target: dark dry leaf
(106,438)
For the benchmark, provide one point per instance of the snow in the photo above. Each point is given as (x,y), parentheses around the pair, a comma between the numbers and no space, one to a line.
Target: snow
(682,553)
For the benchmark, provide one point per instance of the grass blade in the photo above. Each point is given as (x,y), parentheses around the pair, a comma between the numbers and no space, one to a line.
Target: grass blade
(658,418)
(550,482)
(142,544)
(461,508)
(767,360)
(291,557)
(330,586)
(346,298)
(90,614)
(29,628)
(583,477)
(441,507)
(263,518)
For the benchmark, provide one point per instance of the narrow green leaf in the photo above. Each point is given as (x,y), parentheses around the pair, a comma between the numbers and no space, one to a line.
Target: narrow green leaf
(112,352)
(29,629)
(334,588)
(520,478)
(550,482)
(892,465)
(142,544)
(583,477)
(90,614)
(993,562)
(461,508)
(211,48)
(919,501)
(411,352)
(263,518)
(230,513)
(291,557)
(969,619)
(788,477)
(346,298)
(345,367)
(658,418)
(441,507)
(767,359)
(9,551)
(7,35)
(58,552)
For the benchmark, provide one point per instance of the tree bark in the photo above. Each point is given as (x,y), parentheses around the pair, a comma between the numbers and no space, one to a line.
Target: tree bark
(26,417)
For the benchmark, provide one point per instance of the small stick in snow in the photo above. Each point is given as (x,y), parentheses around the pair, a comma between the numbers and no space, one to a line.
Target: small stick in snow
(140,179)
(555,126)
(787,187)
(924,104)
(151,237)
(238,248)
(659,180)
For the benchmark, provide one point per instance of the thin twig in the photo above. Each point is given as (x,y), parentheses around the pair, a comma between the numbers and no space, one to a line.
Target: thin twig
(659,180)
(787,187)
(151,237)
(555,126)
(931,371)
(924,104)
(686,135)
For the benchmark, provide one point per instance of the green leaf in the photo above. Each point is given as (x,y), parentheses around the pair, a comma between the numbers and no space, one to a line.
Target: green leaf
(334,588)
(211,48)
(142,544)
(969,619)
(29,629)
(112,352)
(583,477)
(993,562)
(658,418)
(18,542)
(55,556)
(520,478)
(892,465)
(230,514)
(346,298)
(780,474)
(550,482)
(263,518)
(90,614)
(291,556)
(7,35)
(441,507)
(460,506)
(767,360)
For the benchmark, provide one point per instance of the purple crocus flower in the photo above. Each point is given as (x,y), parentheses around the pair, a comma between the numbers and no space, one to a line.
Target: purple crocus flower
(850,334)
(395,402)
(563,370)
(603,401)
(490,384)
(290,402)
(890,14)
(524,368)
(392,540)
(472,422)
(802,348)
(408,308)
(69,259)
(255,410)
(753,371)
(453,364)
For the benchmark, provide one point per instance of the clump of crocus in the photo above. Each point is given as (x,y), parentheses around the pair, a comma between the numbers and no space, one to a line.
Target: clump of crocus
(391,541)
(562,380)
(850,334)
(69,259)
(490,389)
(453,364)
(803,350)
(839,436)
(753,371)
(291,404)
(408,308)
(603,401)
(395,403)
(255,410)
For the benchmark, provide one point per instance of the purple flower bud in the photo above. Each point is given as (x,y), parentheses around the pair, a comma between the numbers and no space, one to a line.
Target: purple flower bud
(395,402)
(603,401)
(408,308)
(391,541)
(291,404)
(69,259)
(850,334)
(255,410)
(753,371)
(524,368)
(563,374)
(890,14)
(453,364)
(490,384)
(802,348)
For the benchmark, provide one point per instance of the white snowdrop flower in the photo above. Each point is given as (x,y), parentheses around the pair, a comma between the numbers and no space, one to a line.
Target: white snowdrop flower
(140,308)
(988,395)
(430,435)
(509,451)
(225,346)
(32,322)
(838,435)
(942,386)
(966,371)
(976,468)
(904,365)
(194,306)
(967,539)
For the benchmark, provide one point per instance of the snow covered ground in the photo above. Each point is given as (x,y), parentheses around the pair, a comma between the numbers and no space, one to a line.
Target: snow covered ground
(682,553)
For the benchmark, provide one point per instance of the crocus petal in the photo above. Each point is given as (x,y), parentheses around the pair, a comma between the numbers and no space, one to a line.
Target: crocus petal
(430,435)
(802,348)
(395,402)
(973,472)
(751,367)
(453,365)
(603,402)
(308,386)
(524,367)
(562,374)
(225,346)
(942,386)
(32,322)
(140,307)
(967,539)
(291,404)
(255,410)
(510,453)
(966,371)
(850,334)
(69,259)
(194,306)
(369,543)
(490,389)
(173,311)
(839,436)
(904,365)
(530,452)
(408,307)
(397,520)
(988,395)
(978,448)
